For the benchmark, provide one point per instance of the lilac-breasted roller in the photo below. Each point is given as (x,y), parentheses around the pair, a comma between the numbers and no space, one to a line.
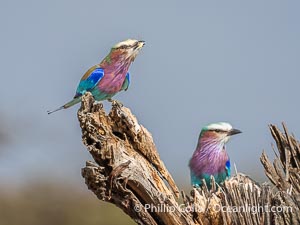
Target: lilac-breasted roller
(210,157)
(109,77)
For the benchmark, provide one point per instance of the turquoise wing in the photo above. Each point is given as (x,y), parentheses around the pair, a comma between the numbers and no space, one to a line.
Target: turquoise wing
(88,83)
(126,82)
(196,181)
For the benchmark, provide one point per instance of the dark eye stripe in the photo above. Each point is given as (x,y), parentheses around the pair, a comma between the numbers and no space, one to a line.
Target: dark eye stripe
(129,46)
(219,131)
(124,47)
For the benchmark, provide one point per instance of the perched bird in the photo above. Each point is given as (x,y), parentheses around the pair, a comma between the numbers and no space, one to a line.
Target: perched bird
(210,157)
(109,77)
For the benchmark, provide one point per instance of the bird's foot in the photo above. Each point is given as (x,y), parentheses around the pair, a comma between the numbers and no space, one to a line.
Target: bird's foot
(115,103)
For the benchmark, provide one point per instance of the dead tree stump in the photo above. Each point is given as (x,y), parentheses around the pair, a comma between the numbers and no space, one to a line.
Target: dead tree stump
(129,173)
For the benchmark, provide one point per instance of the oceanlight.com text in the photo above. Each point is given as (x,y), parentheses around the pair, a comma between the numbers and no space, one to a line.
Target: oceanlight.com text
(217,208)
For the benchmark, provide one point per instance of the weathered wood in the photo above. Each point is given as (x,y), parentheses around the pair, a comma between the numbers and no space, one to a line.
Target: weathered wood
(128,172)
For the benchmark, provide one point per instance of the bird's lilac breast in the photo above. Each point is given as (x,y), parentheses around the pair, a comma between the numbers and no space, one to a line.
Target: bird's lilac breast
(112,81)
(209,163)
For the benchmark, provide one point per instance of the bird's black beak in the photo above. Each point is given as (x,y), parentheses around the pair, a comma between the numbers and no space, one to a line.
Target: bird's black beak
(139,45)
(233,132)
(142,43)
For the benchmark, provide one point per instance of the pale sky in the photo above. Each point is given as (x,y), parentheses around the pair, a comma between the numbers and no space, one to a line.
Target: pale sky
(204,61)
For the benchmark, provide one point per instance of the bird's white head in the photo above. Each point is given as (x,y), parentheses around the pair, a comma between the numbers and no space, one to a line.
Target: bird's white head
(221,131)
(128,48)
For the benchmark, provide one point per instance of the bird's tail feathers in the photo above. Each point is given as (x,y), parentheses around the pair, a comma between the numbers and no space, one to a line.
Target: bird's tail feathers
(67,105)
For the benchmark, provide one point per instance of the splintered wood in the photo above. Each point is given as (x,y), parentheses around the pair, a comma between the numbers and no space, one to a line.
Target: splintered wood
(129,173)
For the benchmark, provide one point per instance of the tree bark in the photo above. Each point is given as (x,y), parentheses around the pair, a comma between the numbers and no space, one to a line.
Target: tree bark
(129,173)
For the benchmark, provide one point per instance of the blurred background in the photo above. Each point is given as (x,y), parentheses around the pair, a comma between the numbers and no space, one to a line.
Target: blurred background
(204,61)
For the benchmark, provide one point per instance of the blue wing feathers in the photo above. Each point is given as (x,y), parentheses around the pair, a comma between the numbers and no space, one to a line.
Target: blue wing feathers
(126,82)
(128,77)
(96,75)
(89,83)
(227,166)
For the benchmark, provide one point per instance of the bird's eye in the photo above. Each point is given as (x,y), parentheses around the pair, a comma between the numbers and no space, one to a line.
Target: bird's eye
(217,130)
(123,47)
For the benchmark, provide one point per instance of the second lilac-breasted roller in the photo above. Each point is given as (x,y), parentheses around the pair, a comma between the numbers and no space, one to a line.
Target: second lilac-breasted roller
(210,157)
(109,77)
